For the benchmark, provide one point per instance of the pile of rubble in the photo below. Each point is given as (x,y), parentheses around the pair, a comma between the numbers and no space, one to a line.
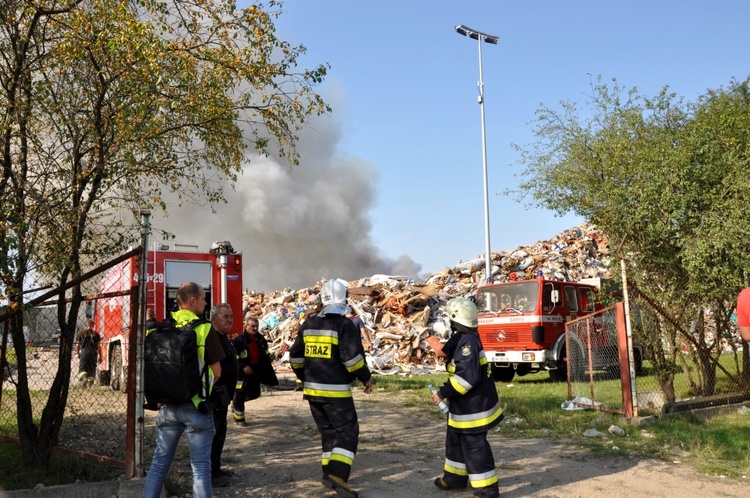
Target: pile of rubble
(400,313)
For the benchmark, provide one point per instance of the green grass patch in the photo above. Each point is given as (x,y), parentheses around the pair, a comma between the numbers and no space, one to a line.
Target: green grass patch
(532,407)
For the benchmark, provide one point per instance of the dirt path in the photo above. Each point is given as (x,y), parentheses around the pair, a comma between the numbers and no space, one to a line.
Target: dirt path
(401,452)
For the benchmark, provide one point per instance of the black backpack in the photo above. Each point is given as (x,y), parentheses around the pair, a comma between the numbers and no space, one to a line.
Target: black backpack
(172,372)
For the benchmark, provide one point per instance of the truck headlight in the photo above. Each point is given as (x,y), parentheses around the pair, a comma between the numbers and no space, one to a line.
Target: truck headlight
(528,356)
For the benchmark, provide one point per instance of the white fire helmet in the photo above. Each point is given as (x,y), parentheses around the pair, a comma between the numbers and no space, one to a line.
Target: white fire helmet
(463,311)
(333,298)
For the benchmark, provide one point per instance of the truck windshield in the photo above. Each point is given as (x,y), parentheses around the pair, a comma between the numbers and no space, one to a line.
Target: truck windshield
(508,298)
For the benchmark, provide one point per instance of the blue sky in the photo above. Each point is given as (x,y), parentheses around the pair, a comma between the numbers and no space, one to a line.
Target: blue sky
(403,85)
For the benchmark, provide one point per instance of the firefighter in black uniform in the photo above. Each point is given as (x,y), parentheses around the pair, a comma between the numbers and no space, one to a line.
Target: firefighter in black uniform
(255,367)
(473,403)
(327,356)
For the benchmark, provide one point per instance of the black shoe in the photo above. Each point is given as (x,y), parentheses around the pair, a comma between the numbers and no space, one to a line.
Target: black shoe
(240,422)
(440,483)
(219,481)
(339,486)
(221,472)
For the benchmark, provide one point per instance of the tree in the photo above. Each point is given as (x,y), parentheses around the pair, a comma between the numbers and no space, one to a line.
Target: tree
(106,105)
(667,178)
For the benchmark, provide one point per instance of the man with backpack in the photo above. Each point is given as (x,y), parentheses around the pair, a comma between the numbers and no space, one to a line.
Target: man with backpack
(194,416)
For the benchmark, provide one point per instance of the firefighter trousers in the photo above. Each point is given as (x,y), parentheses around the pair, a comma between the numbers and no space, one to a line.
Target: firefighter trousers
(339,432)
(469,459)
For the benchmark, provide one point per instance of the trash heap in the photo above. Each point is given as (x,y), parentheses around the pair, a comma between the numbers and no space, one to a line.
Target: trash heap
(400,313)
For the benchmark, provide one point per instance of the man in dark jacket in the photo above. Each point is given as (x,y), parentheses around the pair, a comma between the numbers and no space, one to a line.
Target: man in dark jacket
(255,367)
(473,405)
(87,349)
(327,356)
(221,320)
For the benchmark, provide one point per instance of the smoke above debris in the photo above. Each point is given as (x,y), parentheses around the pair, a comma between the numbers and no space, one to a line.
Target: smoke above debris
(295,226)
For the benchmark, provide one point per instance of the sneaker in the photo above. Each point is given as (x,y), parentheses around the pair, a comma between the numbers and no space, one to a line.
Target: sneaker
(220,481)
(339,486)
(241,422)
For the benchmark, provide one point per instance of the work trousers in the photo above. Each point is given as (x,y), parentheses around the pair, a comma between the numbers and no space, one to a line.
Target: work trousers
(246,391)
(339,433)
(217,445)
(468,458)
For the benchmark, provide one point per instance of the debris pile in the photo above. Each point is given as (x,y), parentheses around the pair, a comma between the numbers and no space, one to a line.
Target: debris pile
(400,313)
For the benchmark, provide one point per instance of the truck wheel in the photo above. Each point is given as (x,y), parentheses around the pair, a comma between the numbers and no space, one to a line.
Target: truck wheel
(115,368)
(503,374)
(560,374)
(576,365)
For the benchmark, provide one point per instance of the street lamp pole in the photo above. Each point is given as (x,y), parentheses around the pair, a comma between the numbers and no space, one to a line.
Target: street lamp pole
(479,36)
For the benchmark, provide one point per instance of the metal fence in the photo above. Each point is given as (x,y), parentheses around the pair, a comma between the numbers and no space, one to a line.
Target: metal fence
(653,373)
(598,364)
(99,406)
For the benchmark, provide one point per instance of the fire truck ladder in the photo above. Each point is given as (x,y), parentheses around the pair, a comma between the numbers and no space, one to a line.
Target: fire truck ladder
(150,282)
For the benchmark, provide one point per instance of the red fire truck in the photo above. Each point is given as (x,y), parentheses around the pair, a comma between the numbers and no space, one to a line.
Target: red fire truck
(522,326)
(218,271)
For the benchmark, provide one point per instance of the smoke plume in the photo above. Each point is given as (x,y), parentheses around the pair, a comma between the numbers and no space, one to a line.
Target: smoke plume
(296,226)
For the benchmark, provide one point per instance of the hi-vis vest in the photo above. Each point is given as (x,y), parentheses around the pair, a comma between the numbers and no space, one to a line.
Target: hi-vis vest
(182,318)
(327,356)
(471,392)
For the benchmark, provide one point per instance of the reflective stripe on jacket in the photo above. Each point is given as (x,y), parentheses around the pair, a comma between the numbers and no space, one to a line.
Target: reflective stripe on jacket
(470,390)
(327,355)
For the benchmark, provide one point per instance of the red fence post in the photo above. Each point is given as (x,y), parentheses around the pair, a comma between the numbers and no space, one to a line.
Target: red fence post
(624,356)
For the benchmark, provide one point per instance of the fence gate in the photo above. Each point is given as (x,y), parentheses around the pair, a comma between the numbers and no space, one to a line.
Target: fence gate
(99,415)
(599,364)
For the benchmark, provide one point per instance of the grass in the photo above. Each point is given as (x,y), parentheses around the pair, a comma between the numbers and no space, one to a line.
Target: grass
(531,404)
(717,446)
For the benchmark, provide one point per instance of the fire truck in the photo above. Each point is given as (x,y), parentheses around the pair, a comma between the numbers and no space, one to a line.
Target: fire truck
(218,271)
(522,327)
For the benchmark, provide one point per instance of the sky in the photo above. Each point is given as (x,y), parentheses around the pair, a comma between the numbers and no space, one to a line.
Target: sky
(392,180)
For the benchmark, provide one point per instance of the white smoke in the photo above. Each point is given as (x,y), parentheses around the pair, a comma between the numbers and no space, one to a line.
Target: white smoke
(296,226)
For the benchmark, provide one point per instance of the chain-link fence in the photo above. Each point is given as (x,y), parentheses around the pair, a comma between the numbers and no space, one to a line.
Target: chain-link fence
(663,372)
(594,360)
(686,369)
(100,386)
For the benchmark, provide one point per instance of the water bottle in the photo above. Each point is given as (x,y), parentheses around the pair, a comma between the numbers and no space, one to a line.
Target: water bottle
(442,405)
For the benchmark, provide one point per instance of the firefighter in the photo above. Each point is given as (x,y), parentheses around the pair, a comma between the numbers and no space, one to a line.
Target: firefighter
(255,367)
(327,356)
(473,403)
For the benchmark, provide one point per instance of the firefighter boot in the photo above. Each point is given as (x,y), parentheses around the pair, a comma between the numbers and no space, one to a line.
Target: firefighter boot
(440,483)
(339,486)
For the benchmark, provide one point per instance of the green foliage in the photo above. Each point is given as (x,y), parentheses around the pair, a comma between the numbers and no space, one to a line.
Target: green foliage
(109,107)
(668,180)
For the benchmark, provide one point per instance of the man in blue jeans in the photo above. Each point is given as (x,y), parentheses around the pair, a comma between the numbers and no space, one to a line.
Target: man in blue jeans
(174,419)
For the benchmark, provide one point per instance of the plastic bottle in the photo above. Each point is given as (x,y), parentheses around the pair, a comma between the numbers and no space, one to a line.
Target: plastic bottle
(442,405)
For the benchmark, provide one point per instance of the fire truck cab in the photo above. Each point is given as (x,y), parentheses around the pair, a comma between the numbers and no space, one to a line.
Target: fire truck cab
(522,324)
(218,271)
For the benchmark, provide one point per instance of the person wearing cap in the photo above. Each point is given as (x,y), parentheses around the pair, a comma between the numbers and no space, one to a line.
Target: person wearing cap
(473,405)
(326,356)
